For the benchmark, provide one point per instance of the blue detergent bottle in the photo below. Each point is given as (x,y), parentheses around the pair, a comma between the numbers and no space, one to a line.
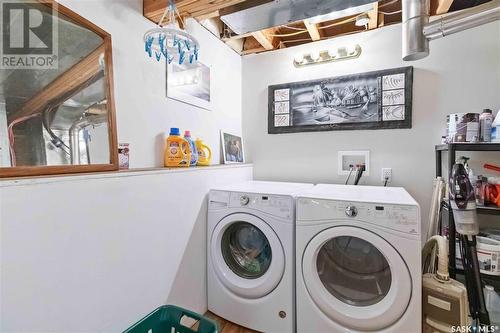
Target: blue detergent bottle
(192,145)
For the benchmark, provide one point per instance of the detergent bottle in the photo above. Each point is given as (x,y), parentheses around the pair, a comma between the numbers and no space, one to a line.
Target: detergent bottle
(177,151)
(204,153)
(192,148)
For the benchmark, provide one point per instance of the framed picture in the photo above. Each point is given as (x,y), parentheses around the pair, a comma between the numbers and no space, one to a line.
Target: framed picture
(373,100)
(190,83)
(232,148)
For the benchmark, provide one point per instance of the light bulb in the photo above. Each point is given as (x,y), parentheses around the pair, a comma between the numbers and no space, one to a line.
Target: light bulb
(299,58)
(314,55)
(351,50)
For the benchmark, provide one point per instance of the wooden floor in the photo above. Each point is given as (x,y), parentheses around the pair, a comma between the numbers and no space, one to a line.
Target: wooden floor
(226,326)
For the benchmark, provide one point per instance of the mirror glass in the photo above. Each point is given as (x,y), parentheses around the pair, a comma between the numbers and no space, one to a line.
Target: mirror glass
(54,114)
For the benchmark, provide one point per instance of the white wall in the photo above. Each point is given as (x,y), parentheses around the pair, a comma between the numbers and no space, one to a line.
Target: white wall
(462,74)
(96,253)
(143,112)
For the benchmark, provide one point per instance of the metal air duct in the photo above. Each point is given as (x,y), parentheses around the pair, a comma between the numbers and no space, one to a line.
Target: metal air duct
(415,16)
(282,12)
(463,20)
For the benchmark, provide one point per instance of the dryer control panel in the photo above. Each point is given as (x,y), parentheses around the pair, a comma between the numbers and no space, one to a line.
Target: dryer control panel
(276,205)
(403,218)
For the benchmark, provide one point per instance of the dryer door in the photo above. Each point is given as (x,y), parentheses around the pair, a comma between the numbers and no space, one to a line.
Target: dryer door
(247,255)
(356,278)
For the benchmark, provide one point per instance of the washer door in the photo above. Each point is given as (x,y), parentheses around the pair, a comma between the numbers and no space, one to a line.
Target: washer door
(356,278)
(247,255)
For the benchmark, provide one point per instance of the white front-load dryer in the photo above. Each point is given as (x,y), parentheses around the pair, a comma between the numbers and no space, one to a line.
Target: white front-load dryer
(358,260)
(251,254)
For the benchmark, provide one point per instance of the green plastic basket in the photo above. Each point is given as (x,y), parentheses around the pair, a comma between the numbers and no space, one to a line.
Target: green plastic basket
(167,319)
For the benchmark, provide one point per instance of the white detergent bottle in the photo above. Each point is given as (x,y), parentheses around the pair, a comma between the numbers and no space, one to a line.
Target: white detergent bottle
(495,128)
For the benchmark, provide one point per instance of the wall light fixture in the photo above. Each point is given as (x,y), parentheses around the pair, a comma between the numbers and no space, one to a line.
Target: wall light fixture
(327,56)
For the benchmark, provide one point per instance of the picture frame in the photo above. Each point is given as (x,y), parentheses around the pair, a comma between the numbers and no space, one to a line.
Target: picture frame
(190,84)
(232,148)
(364,101)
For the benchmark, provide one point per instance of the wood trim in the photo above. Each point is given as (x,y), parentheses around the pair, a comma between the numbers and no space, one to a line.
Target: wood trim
(106,48)
(26,171)
(75,17)
(112,130)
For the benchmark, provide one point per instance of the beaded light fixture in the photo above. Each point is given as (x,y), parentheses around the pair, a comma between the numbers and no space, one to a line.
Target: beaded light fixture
(168,41)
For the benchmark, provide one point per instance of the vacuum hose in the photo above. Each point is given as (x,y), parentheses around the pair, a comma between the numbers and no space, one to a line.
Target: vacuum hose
(438,242)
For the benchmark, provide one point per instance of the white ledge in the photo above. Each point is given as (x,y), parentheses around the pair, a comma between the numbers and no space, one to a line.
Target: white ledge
(23,181)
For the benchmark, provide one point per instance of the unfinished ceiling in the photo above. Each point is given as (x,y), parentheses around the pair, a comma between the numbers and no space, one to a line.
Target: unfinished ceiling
(209,13)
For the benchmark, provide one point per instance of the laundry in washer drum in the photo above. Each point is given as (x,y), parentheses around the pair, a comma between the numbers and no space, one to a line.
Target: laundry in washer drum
(249,252)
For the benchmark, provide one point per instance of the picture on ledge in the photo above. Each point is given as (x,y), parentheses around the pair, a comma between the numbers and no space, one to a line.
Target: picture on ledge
(232,148)
(189,83)
(373,100)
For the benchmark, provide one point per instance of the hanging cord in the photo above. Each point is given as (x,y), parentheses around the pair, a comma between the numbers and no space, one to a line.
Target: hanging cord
(349,176)
(56,140)
(172,10)
(390,13)
(292,28)
(10,131)
(289,34)
(385,181)
(388,3)
(338,23)
(359,173)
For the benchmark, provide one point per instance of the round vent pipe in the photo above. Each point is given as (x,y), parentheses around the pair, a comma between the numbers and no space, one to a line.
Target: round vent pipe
(463,20)
(415,17)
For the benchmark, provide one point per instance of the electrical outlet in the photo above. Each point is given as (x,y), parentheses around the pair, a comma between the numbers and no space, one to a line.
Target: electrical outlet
(386,174)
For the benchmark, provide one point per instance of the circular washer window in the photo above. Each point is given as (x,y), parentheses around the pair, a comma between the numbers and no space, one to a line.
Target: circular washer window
(354,271)
(246,250)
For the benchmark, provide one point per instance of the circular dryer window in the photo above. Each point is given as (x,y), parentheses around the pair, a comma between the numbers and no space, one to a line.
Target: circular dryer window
(354,271)
(356,278)
(246,250)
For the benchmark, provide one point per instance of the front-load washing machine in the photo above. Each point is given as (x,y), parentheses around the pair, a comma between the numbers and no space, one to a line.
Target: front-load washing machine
(358,260)
(250,254)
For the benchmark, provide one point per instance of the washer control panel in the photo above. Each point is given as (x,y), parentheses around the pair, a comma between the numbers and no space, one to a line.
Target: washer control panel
(281,206)
(351,211)
(404,218)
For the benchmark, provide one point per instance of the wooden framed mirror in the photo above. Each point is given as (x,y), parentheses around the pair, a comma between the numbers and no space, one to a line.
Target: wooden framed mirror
(57,112)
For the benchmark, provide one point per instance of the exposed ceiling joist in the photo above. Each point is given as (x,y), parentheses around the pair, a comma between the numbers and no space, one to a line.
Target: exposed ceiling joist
(209,15)
(242,6)
(373,15)
(384,13)
(266,39)
(313,30)
(439,7)
(154,9)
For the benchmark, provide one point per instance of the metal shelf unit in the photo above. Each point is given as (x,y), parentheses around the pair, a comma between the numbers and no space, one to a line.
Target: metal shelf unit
(452,148)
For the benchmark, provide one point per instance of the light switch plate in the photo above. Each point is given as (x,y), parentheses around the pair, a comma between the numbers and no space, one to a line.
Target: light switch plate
(353,157)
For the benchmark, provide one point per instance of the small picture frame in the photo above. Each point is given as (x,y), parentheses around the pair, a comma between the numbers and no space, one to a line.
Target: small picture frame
(232,148)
